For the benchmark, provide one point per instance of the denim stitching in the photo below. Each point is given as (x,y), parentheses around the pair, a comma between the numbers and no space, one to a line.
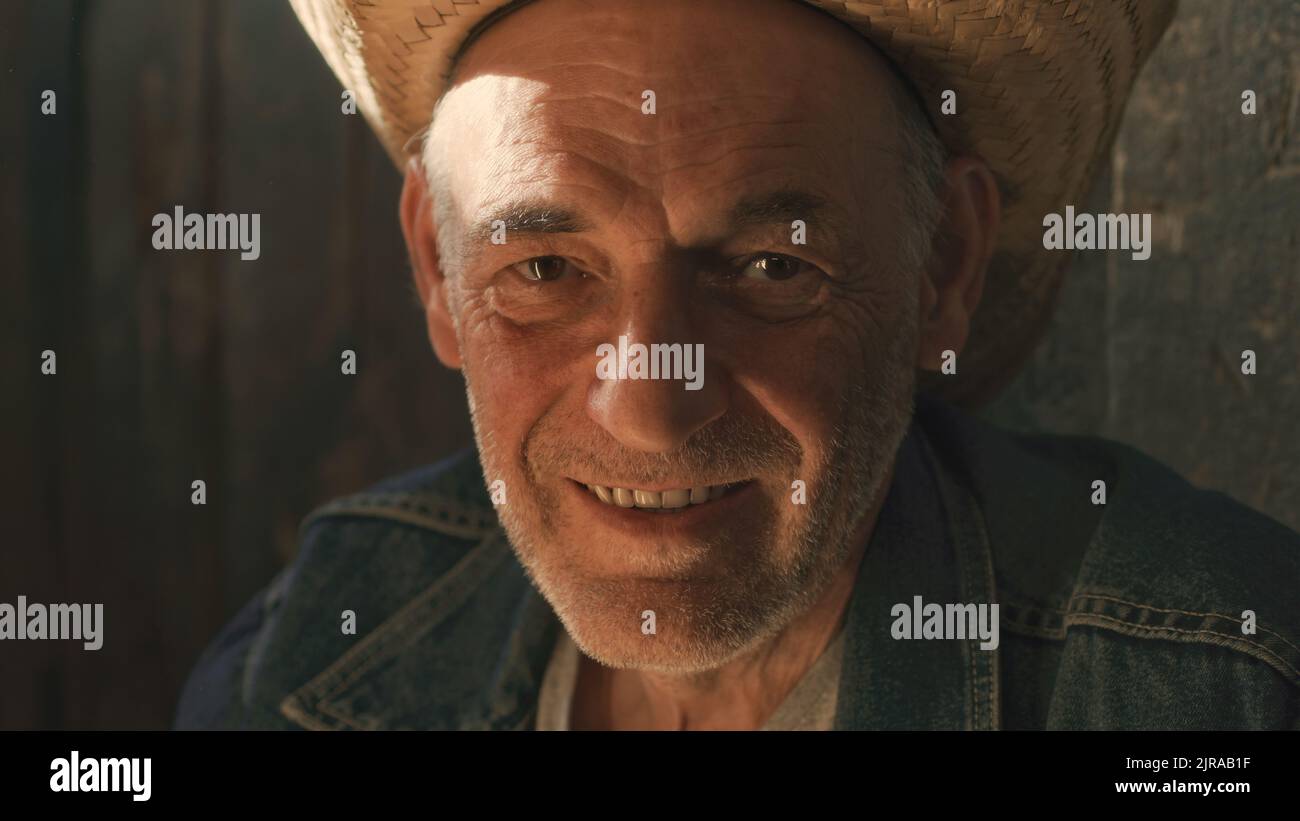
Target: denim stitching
(1081,616)
(429,511)
(990,584)
(328,708)
(1033,608)
(294,708)
(358,660)
(1224,640)
(956,533)
(954,495)
(410,617)
(1206,627)
(1224,616)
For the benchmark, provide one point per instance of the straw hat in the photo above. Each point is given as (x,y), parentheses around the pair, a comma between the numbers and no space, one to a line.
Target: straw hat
(1041,87)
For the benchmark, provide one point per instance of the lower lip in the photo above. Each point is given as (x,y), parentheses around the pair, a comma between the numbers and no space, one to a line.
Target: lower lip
(692,518)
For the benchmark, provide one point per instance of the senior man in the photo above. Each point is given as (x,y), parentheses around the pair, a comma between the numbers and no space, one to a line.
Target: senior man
(821,199)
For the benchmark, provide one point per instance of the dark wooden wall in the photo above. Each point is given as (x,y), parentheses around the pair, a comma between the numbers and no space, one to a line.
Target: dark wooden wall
(174,367)
(181,366)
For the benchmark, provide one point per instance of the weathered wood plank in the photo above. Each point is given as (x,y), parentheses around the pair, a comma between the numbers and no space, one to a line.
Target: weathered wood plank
(332,276)
(36,53)
(152,421)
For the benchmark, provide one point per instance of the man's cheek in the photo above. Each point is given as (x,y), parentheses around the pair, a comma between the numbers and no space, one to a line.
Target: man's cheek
(803,399)
(496,358)
(518,352)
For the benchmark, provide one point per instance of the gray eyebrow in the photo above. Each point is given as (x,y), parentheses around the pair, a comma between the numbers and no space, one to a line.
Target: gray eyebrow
(530,218)
(783,206)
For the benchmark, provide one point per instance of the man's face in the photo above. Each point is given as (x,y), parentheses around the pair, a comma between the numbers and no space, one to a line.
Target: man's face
(674,225)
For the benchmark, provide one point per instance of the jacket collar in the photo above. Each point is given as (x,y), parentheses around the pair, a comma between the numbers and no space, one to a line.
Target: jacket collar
(469,651)
(929,541)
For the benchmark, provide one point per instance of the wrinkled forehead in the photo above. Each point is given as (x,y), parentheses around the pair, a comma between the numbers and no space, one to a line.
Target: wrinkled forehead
(648,88)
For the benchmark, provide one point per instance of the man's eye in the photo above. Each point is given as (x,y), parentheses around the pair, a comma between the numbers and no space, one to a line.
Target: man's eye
(545,269)
(772,267)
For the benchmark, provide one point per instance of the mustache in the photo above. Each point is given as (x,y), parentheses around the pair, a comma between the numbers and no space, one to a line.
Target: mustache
(728,449)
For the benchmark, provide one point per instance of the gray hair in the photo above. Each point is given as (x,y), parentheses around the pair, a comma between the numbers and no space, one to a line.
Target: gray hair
(924,160)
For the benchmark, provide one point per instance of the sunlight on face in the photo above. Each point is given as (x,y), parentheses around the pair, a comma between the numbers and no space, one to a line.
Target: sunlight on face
(676,227)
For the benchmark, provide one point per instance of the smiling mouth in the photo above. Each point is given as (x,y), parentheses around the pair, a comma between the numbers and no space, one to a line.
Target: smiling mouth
(663,501)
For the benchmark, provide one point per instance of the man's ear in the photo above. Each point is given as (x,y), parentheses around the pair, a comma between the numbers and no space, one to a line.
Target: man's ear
(954,279)
(416,212)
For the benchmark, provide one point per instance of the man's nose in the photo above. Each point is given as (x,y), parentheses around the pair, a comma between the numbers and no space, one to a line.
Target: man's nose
(656,415)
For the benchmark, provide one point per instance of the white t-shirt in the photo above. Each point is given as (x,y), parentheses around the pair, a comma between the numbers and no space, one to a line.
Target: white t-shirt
(809,706)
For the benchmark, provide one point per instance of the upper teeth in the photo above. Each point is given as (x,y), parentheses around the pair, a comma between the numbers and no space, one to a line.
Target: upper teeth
(656,499)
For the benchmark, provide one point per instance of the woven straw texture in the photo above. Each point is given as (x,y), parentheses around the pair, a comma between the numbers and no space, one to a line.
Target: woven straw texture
(1041,87)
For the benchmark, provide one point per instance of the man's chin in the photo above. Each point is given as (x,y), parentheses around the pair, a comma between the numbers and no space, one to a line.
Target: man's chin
(679,600)
(660,625)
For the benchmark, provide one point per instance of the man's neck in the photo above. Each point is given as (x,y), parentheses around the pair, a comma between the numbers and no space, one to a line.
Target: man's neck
(740,695)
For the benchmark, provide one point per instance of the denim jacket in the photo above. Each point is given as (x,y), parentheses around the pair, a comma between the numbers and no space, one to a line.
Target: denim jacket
(1123,615)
